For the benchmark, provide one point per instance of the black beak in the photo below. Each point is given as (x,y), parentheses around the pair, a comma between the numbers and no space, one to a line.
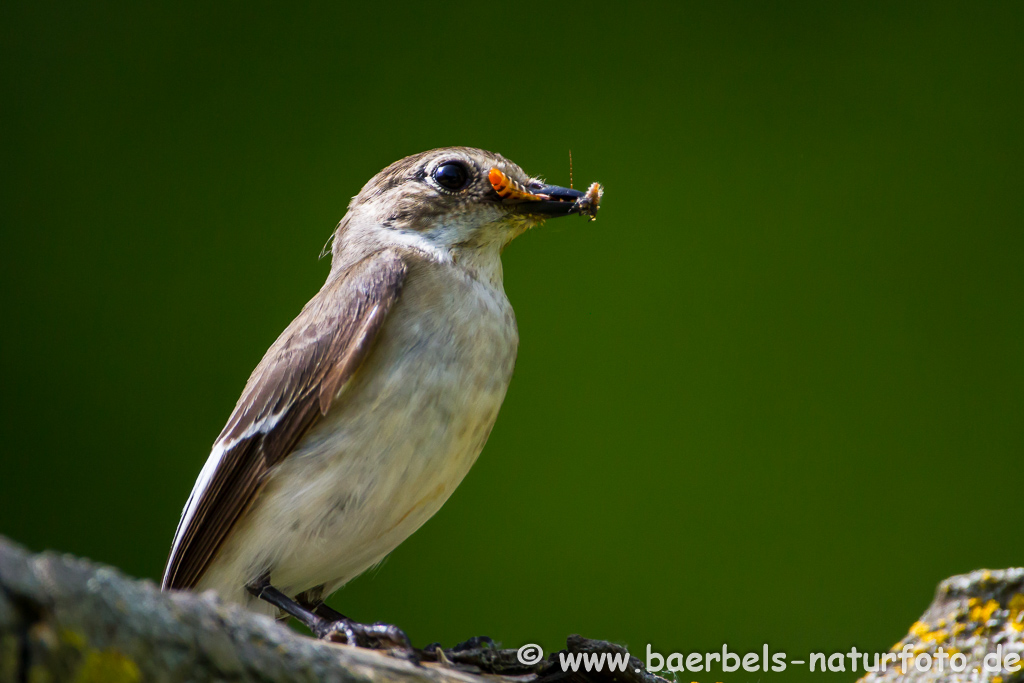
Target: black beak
(556,201)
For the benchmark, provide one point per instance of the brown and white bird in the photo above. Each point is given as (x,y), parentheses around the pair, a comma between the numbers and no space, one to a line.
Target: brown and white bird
(373,404)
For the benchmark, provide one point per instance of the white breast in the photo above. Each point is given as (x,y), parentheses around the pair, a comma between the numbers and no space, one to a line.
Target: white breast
(395,444)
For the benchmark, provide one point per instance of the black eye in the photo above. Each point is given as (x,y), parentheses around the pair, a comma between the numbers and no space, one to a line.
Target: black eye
(451,175)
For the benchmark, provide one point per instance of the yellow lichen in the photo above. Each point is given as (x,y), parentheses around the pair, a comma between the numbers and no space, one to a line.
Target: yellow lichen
(983,614)
(919,628)
(73,638)
(107,667)
(1016,617)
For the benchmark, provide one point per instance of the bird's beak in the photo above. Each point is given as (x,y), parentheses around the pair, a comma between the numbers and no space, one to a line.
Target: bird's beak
(554,201)
(545,200)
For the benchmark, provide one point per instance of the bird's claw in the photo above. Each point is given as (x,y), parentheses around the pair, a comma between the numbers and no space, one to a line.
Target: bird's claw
(376,636)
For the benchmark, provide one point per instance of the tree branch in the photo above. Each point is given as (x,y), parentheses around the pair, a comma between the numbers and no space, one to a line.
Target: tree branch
(63,618)
(66,619)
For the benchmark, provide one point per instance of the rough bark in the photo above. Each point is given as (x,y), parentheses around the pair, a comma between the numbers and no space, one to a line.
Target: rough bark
(66,619)
(976,614)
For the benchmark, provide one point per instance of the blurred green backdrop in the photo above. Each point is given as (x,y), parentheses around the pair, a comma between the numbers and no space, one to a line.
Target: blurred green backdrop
(773,395)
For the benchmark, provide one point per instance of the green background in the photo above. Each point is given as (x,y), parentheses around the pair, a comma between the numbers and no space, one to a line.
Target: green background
(774,394)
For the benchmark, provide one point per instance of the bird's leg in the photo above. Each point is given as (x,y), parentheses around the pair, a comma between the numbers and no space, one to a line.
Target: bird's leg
(313,601)
(263,590)
(322,610)
(328,624)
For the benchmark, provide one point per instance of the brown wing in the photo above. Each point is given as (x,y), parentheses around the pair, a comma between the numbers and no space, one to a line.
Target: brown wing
(290,390)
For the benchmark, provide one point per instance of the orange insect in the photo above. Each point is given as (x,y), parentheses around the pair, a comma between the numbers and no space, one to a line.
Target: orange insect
(508,189)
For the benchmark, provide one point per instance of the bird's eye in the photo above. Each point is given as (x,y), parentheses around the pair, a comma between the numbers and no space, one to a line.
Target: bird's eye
(451,175)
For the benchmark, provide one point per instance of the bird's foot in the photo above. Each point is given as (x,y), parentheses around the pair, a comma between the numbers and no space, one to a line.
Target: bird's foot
(329,624)
(377,636)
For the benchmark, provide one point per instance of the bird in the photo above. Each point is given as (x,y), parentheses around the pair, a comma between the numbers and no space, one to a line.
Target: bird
(369,409)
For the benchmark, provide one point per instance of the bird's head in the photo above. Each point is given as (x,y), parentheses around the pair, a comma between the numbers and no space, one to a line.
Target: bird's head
(455,200)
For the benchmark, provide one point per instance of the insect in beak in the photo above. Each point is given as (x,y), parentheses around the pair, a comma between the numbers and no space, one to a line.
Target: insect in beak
(547,200)
(509,190)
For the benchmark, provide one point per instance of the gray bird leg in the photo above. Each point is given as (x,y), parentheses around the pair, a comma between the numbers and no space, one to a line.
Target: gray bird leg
(328,624)
(328,613)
